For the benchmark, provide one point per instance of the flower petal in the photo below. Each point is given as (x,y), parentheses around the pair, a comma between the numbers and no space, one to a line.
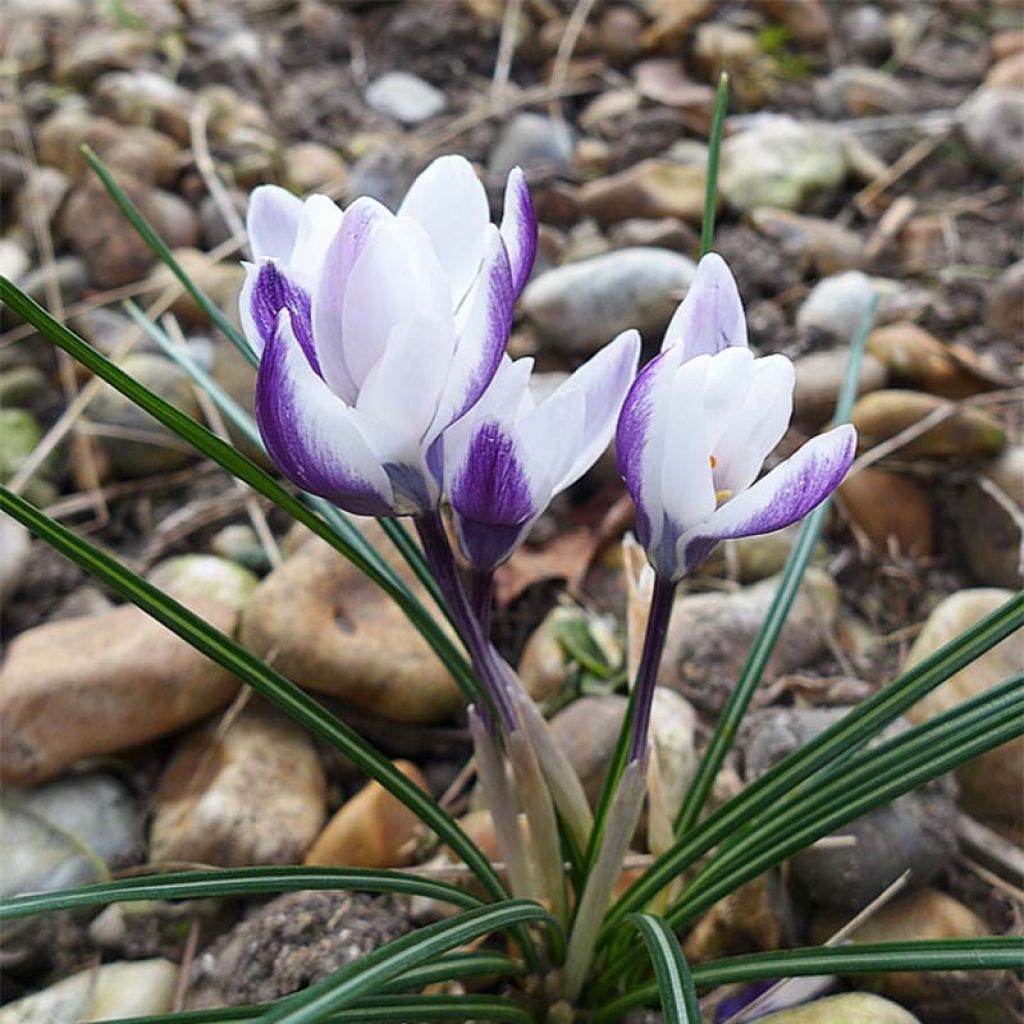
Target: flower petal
(272,291)
(519,229)
(272,220)
(347,245)
(726,389)
(710,317)
(311,434)
(551,435)
(781,497)
(320,221)
(449,201)
(604,381)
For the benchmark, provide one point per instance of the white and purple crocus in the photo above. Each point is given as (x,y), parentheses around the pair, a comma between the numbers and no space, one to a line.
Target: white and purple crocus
(377,330)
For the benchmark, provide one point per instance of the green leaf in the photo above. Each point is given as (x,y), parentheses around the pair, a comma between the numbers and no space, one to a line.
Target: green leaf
(707,230)
(982,954)
(371,972)
(674,982)
(251,881)
(259,676)
(796,567)
(350,544)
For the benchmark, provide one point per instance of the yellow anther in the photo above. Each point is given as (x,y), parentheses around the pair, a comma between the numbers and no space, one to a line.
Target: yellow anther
(721,496)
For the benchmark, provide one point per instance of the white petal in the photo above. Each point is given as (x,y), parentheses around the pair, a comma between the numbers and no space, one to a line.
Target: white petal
(321,218)
(726,389)
(519,228)
(272,221)
(758,425)
(448,200)
(710,317)
(552,435)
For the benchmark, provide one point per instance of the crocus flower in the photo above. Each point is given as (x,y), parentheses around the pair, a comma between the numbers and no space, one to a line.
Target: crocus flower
(510,455)
(377,330)
(697,426)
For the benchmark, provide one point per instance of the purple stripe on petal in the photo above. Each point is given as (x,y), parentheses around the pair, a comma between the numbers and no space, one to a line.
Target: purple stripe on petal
(783,496)
(273,292)
(710,317)
(310,434)
(519,229)
(484,545)
(492,486)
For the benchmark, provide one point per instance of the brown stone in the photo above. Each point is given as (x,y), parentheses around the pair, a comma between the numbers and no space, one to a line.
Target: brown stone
(890,509)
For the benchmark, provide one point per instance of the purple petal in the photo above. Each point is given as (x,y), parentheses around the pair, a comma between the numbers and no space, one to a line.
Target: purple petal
(272,291)
(783,496)
(273,222)
(519,229)
(710,317)
(311,434)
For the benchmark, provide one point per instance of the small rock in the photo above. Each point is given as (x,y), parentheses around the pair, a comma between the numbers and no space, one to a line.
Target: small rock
(719,48)
(673,21)
(601,113)
(310,167)
(990,534)
(1007,74)
(854,91)
(289,944)
(710,635)
(405,97)
(333,630)
(664,81)
(864,32)
(915,832)
(579,307)
(97,50)
(175,221)
(851,1008)
(213,228)
(190,576)
(250,793)
(146,99)
(587,731)
(14,260)
(618,34)
(1004,311)
(15,547)
(806,21)
(992,124)
(56,835)
(372,830)
(69,273)
(113,680)
(652,188)
(137,445)
(991,784)
(221,282)
(836,306)
(532,141)
(130,989)
(890,510)
(40,197)
(674,762)
(967,433)
(21,387)
(819,377)
(755,558)
(239,543)
(820,245)
(661,233)
(920,916)
(19,437)
(781,162)
(754,916)
(544,664)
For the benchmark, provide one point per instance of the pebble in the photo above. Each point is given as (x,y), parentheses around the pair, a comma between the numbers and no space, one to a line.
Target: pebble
(864,32)
(250,793)
(146,99)
(820,245)
(100,49)
(806,21)
(15,548)
(239,543)
(20,435)
(967,433)
(40,197)
(991,784)
(819,377)
(664,81)
(914,832)
(850,1008)
(990,532)
(334,631)
(1004,308)
(651,188)
(710,636)
(661,233)
(310,167)
(755,558)
(854,91)
(205,576)
(618,34)
(56,835)
(579,307)
(123,989)
(836,306)
(1007,74)
(405,97)
(532,141)
(113,680)
(137,445)
(14,260)
(719,47)
(220,281)
(587,731)
(22,386)
(371,830)
(924,915)
(781,162)
(893,511)
(992,124)
(68,272)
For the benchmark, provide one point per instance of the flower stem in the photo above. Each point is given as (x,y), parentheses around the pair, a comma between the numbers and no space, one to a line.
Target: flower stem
(654,644)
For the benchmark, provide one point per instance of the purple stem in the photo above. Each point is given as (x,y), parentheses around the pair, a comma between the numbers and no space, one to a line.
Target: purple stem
(647,673)
(441,559)
(481,591)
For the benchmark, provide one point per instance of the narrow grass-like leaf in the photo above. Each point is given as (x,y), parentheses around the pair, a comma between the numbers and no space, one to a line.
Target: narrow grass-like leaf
(674,982)
(163,253)
(371,972)
(329,527)
(707,229)
(255,673)
(852,731)
(250,881)
(991,953)
(796,566)
(454,966)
